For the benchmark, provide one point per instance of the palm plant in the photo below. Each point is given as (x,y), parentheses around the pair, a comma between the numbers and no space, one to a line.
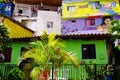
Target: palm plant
(115,30)
(115,27)
(48,50)
(4,39)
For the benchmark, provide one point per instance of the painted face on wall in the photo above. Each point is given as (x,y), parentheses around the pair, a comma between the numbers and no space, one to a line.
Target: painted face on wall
(104,27)
(107,21)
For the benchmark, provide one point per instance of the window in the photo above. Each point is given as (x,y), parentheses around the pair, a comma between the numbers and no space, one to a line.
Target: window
(95,5)
(8,55)
(73,21)
(23,10)
(71,8)
(113,4)
(90,22)
(49,24)
(88,51)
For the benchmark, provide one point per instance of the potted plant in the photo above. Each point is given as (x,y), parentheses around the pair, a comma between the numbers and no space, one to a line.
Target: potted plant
(47,50)
(108,72)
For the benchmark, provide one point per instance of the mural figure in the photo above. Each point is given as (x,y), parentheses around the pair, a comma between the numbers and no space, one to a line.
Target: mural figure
(104,27)
(108,8)
(103,8)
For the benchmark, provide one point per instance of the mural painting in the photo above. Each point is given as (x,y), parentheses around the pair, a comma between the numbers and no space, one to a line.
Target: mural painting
(103,9)
(104,27)
(90,8)
(88,25)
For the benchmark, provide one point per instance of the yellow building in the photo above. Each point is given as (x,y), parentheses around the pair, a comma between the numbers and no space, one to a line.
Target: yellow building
(90,8)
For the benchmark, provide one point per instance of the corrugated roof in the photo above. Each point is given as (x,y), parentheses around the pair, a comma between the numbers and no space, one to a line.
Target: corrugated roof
(16,29)
(106,36)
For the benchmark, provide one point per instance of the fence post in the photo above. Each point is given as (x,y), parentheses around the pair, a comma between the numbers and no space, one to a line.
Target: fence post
(95,71)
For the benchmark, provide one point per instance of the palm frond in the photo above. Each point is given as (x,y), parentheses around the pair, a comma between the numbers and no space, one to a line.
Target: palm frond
(72,59)
(47,50)
(35,71)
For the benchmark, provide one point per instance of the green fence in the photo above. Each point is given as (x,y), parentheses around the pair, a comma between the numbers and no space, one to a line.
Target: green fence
(4,70)
(83,72)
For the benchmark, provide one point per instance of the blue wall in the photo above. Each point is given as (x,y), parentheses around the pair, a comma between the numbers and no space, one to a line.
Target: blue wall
(7,8)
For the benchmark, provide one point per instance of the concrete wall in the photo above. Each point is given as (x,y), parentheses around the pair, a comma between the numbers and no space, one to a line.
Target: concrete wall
(39,22)
(48,16)
(21,6)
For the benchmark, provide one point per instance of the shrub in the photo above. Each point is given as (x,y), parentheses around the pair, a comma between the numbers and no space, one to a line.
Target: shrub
(15,74)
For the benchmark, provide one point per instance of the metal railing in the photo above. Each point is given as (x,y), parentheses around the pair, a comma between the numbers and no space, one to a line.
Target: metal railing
(4,70)
(83,72)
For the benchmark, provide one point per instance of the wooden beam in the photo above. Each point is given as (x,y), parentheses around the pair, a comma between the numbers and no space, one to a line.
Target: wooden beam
(44,2)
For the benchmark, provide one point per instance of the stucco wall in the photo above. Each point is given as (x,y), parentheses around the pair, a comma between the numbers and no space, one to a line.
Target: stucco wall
(51,16)
(100,47)
(16,51)
(41,20)
(71,46)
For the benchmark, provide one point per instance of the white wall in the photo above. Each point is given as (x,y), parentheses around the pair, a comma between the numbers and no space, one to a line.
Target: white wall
(52,16)
(28,7)
(42,18)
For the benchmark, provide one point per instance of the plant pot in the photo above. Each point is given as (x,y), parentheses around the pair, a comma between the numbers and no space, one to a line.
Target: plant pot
(108,77)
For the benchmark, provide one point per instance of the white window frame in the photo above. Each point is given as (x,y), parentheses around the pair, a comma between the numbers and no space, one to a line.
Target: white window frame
(71,8)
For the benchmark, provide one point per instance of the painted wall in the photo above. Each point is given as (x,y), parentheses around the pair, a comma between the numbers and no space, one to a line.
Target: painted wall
(26,17)
(75,46)
(79,25)
(39,22)
(7,8)
(89,8)
(1,0)
(27,10)
(71,45)
(48,16)
(16,51)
